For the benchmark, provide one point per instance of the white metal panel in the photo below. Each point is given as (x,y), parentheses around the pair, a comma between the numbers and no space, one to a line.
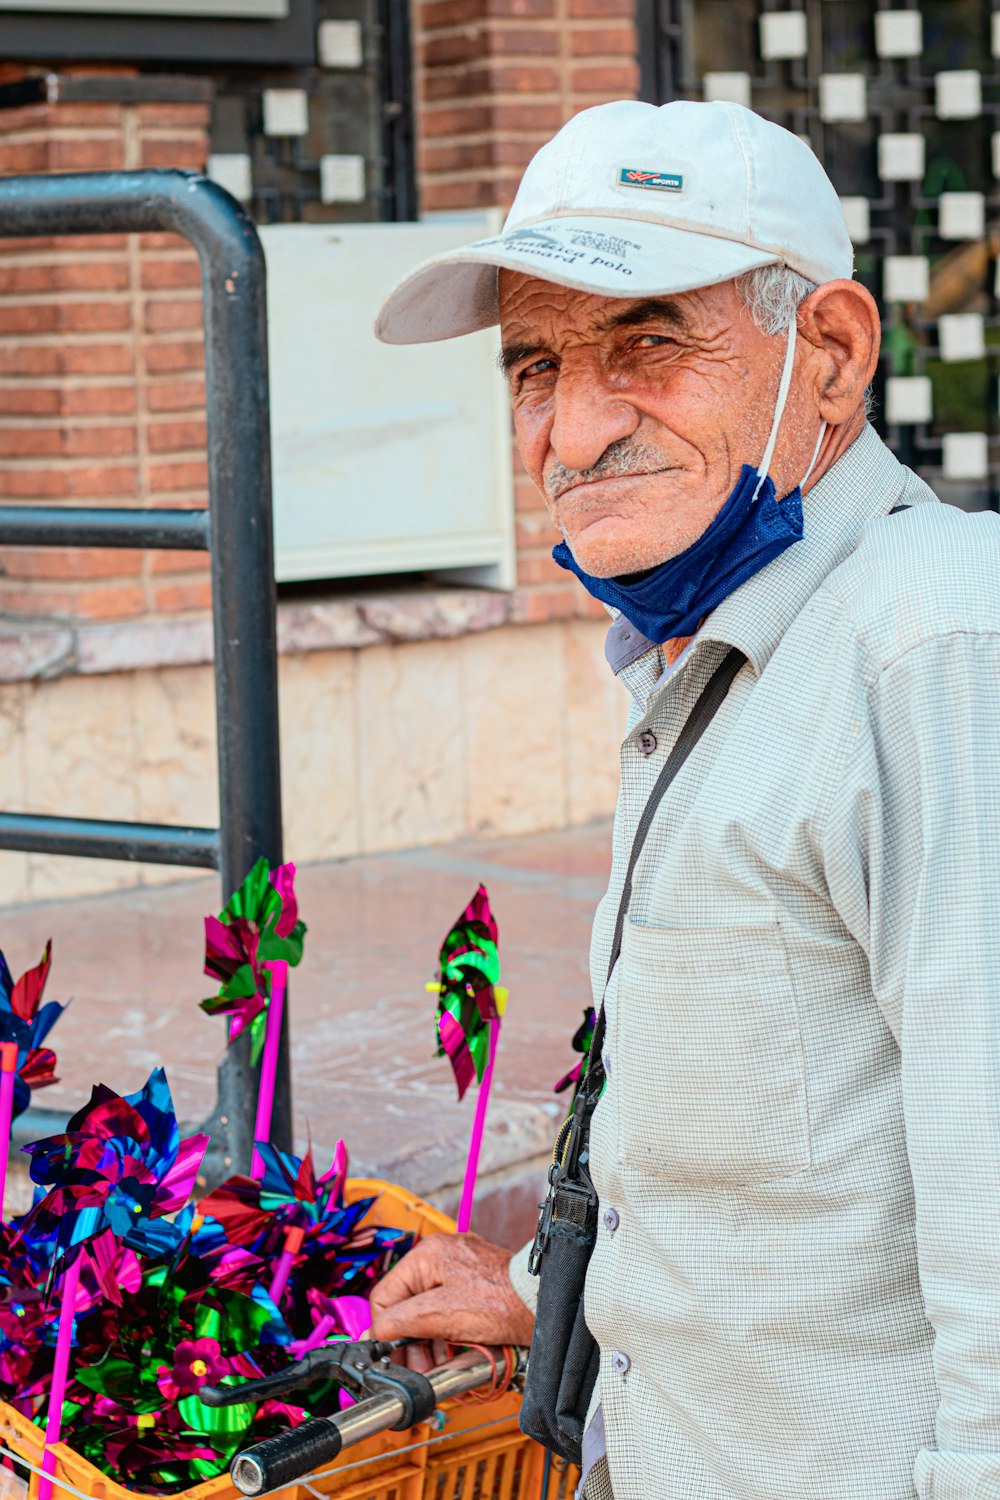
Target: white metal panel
(386,459)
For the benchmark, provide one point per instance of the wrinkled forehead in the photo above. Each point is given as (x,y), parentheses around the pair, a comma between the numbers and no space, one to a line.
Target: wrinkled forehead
(524,296)
(536,312)
(533,307)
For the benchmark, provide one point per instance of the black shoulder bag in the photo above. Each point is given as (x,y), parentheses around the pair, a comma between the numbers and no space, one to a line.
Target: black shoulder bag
(564,1360)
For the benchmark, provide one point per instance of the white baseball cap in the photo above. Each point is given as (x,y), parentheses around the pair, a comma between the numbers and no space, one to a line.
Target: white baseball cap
(635,200)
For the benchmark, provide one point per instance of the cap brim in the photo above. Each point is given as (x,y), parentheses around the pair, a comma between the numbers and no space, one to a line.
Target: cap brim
(456,292)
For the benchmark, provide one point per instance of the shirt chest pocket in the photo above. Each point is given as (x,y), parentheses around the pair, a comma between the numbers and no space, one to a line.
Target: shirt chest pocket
(707,1055)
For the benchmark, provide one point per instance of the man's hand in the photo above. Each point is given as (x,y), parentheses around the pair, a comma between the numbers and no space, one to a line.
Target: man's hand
(454,1287)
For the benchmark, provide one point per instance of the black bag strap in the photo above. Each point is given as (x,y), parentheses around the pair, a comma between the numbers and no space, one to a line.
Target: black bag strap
(710,700)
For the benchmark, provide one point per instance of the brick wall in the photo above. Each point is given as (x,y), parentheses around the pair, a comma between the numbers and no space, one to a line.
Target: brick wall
(101,369)
(494,80)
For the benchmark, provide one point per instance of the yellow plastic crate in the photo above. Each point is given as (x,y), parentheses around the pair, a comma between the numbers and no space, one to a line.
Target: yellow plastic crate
(458,1463)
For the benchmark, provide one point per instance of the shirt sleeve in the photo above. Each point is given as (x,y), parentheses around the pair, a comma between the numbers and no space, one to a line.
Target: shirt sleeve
(524,1284)
(934,899)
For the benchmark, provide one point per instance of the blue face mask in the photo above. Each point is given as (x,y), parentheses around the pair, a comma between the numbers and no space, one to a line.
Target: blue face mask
(750,530)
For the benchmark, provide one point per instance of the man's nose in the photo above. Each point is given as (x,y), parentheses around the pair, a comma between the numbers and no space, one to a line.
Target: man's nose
(587,419)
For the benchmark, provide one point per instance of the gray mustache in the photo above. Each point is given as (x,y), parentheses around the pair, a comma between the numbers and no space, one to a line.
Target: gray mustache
(619,459)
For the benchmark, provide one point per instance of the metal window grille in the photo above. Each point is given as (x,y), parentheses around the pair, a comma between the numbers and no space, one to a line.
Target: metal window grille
(901,102)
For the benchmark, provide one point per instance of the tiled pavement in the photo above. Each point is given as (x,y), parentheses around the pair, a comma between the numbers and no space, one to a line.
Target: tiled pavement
(362,1024)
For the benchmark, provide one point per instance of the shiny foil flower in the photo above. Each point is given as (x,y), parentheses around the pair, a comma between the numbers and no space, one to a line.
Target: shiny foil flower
(197,1362)
(258,926)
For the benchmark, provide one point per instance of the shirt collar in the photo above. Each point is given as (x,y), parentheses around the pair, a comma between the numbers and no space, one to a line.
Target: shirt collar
(863,484)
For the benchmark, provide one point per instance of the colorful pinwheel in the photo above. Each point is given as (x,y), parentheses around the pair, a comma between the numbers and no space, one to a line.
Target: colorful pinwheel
(27,1025)
(470,1004)
(290,1215)
(582,1038)
(24,1063)
(137,1408)
(250,947)
(469,999)
(260,925)
(115,1174)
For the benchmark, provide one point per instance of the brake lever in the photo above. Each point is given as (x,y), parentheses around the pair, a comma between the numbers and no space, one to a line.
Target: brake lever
(349,1364)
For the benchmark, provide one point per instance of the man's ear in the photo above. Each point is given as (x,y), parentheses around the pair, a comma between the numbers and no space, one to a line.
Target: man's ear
(840,322)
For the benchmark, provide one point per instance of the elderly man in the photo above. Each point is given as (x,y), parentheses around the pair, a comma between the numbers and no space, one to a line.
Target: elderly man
(795,1280)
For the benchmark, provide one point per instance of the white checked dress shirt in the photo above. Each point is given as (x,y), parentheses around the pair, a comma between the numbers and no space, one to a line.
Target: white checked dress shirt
(796,1284)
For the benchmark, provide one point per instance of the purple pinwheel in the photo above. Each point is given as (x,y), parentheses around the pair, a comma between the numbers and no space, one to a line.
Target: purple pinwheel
(115,1174)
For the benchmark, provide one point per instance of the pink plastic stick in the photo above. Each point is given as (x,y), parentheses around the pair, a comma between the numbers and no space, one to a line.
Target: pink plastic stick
(60,1370)
(8,1072)
(269,1061)
(286,1260)
(326,1323)
(476,1139)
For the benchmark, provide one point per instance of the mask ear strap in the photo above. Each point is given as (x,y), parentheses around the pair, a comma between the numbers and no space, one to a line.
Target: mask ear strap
(812,461)
(779,408)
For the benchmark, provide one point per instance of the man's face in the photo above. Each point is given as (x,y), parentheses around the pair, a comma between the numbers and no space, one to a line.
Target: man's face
(634,418)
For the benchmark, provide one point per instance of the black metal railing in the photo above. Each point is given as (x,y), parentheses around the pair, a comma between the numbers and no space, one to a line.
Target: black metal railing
(236,530)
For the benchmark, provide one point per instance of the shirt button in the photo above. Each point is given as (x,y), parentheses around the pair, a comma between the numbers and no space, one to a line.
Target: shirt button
(620,1363)
(647,742)
(611,1220)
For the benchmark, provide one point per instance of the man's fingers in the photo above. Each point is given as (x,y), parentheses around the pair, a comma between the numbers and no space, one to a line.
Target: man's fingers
(417,1272)
(428,1315)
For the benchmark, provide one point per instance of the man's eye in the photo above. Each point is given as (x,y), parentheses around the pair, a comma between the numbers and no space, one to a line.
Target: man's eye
(539,367)
(651,340)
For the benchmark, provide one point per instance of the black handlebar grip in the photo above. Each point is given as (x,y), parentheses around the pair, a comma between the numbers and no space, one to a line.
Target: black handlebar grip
(282,1459)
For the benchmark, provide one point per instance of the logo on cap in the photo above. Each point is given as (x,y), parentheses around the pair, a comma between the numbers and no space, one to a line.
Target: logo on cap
(666,182)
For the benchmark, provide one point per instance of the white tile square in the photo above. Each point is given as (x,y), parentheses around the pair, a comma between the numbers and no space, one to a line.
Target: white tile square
(783,34)
(958,95)
(961,216)
(965,455)
(843,96)
(286,112)
(231,170)
(342,179)
(340,44)
(995,33)
(906,278)
(901,157)
(908,399)
(857,215)
(899,33)
(730,88)
(961,336)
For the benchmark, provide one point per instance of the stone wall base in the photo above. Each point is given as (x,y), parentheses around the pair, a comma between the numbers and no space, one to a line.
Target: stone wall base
(510,730)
